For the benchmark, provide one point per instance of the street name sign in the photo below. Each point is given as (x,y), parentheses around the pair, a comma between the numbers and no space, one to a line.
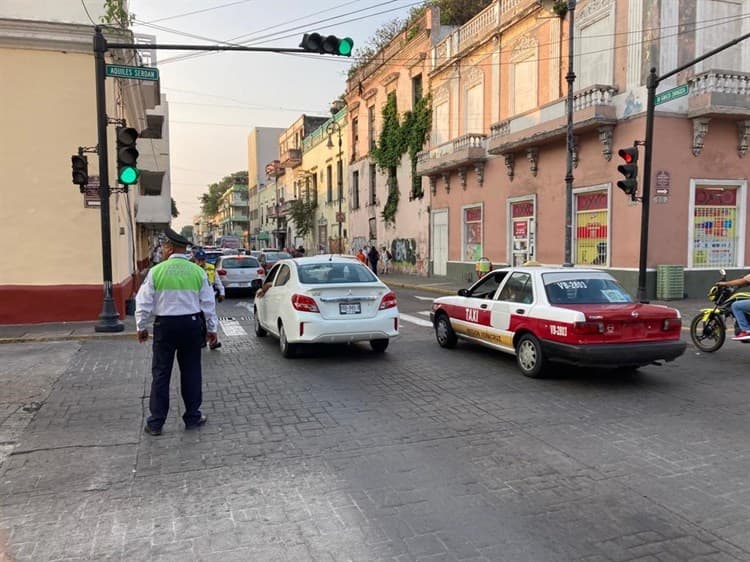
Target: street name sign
(132,72)
(671,94)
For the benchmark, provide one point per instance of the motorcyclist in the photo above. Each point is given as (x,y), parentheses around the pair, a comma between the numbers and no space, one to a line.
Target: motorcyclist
(740,307)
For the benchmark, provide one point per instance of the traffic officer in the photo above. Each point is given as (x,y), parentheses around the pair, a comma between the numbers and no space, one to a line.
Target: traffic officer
(176,291)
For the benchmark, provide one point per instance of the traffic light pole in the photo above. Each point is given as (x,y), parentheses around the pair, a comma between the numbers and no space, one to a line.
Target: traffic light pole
(651,84)
(109,319)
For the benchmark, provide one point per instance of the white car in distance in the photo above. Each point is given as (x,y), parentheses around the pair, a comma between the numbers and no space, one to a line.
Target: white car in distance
(325,299)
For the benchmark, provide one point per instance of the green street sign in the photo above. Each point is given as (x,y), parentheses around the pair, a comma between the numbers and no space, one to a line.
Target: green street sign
(672,94)
(132,72)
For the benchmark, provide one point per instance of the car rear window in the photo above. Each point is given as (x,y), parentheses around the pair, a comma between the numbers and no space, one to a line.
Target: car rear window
(239,263)
(569,288)
(275,256)
(332,272)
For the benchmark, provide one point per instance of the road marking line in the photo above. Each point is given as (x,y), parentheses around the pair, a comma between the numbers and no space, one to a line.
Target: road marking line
(415,320)
(425,313)
(232,328)
(420,297)
(246,305)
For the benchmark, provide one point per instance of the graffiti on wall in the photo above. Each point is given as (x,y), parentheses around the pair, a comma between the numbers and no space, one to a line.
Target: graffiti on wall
(407,258)
(358,242)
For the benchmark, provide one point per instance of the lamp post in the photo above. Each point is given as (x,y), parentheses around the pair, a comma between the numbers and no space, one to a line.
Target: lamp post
(332,128)
(569,142)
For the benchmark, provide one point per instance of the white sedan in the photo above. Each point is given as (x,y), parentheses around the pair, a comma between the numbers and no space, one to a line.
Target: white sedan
(325,299)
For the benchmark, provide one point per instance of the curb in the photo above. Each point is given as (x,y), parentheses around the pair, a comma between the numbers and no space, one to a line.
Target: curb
(72,337)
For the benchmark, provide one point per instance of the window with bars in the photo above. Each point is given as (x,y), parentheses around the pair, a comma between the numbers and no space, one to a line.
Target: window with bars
(355,190)
(715,233)
(329,183)
(373,180)
(591,228)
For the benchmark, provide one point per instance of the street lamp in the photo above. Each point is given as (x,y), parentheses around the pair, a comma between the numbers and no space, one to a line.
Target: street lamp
(332,128)
(569,141)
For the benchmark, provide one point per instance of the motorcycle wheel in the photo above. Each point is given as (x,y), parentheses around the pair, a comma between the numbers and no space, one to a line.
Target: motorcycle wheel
(708,335)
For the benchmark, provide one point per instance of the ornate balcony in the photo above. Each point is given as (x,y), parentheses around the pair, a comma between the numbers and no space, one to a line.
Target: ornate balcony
(291,158)
(719,93)
(593,108)
(460,152)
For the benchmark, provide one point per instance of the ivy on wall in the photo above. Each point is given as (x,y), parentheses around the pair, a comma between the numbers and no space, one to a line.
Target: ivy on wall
(398,136)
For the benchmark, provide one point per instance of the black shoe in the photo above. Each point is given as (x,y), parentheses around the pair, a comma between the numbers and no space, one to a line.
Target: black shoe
(216,345)
(152,430)
(197,424)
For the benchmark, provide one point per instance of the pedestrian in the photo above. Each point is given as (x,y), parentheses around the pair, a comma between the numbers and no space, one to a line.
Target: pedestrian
(216,284)
(176,291)
(740,308)
(373,256)
(361,256)
(385,258)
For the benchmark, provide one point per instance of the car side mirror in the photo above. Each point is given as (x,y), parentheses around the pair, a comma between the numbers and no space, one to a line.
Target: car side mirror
(463,292)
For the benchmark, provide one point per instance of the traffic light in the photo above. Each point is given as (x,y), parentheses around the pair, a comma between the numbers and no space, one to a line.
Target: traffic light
(629,170)
(80,168)
(127,155)
(330,45)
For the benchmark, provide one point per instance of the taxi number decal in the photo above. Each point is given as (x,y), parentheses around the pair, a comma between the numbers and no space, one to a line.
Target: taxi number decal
(472,315)
(558,330)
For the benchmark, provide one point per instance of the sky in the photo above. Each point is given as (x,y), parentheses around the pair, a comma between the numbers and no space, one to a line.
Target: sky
(216,99)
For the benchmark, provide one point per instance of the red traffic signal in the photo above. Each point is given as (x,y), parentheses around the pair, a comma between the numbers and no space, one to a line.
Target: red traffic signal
(629,170)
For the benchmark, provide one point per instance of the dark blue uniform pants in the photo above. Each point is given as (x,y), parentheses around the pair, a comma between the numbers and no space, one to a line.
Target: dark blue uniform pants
(181,335)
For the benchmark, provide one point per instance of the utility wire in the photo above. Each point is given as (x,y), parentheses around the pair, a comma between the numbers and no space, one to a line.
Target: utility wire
(85,9)
(201,11)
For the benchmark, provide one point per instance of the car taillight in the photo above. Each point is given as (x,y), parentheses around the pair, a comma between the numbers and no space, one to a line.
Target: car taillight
(304,303)
(388,301)
(261,271)
(222,272)
(589,327)
(671,324)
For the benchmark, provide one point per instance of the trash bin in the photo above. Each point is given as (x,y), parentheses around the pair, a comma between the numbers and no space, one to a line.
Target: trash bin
(483,267)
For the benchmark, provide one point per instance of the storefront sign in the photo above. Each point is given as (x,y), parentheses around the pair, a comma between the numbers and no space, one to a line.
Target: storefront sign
(520,229)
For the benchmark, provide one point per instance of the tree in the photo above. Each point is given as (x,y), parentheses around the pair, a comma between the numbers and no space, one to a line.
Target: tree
(458,12)
(210,201)
(175,212)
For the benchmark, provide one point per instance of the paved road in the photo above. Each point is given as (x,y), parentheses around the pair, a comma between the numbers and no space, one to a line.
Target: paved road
(343,454)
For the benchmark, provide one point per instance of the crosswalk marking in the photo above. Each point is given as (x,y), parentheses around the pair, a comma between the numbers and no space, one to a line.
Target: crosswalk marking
(424,312)
(232,328)
(414,320)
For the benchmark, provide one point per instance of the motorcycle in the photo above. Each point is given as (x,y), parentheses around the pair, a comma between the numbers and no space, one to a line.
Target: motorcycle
(708,330)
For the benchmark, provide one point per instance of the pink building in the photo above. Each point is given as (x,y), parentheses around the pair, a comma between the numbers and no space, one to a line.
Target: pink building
(496,163)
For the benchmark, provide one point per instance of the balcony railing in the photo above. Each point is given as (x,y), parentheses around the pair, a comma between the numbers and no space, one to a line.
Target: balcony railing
(592,106)
(291,158)
(497,15)
(719,92)
(461,151)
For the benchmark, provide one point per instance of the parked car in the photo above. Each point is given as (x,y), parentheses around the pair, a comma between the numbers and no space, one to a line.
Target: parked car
(240,272)
(325,299)
(559,314)
(269,257)
(212,256)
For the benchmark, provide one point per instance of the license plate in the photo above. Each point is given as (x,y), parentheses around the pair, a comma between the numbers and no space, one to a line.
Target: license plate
(350,308)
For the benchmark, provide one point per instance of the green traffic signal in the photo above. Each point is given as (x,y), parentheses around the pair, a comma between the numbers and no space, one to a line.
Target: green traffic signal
(128,175)
(345,46)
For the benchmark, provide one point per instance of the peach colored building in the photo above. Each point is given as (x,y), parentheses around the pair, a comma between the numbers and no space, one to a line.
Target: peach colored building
(401,68)
(496,163)
(50,229)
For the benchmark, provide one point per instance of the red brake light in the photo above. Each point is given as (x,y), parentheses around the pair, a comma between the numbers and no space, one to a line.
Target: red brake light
(388,301)
(304,303)
(222,272)
(261,271)
(589,327)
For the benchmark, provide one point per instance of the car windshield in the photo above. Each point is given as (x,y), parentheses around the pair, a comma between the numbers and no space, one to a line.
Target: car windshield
(589,288)
(276,256)
(334,272)
(238,263)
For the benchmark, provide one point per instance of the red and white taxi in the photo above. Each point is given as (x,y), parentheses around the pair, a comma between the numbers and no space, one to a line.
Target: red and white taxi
(559,314)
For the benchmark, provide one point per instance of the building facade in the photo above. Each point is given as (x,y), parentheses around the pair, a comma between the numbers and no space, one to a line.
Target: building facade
(234,213)
(496,164)
(400,70)
(48,122)
(262,147)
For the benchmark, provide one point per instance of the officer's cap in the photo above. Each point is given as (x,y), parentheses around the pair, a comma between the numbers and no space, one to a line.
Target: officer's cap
(175,238)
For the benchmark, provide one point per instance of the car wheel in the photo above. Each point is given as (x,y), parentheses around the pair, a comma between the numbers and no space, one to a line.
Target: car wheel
(529,356)
(288,350)
(444,333)
(379,346)
(260,331)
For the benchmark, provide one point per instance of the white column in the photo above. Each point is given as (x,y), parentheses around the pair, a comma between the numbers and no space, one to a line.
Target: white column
(554,60)
(495,95)
(668,44)
(635,36)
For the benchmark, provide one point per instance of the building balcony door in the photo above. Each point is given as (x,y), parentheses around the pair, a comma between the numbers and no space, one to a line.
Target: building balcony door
(440,242)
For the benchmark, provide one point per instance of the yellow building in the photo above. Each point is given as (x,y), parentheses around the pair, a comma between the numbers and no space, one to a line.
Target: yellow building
(48,92)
